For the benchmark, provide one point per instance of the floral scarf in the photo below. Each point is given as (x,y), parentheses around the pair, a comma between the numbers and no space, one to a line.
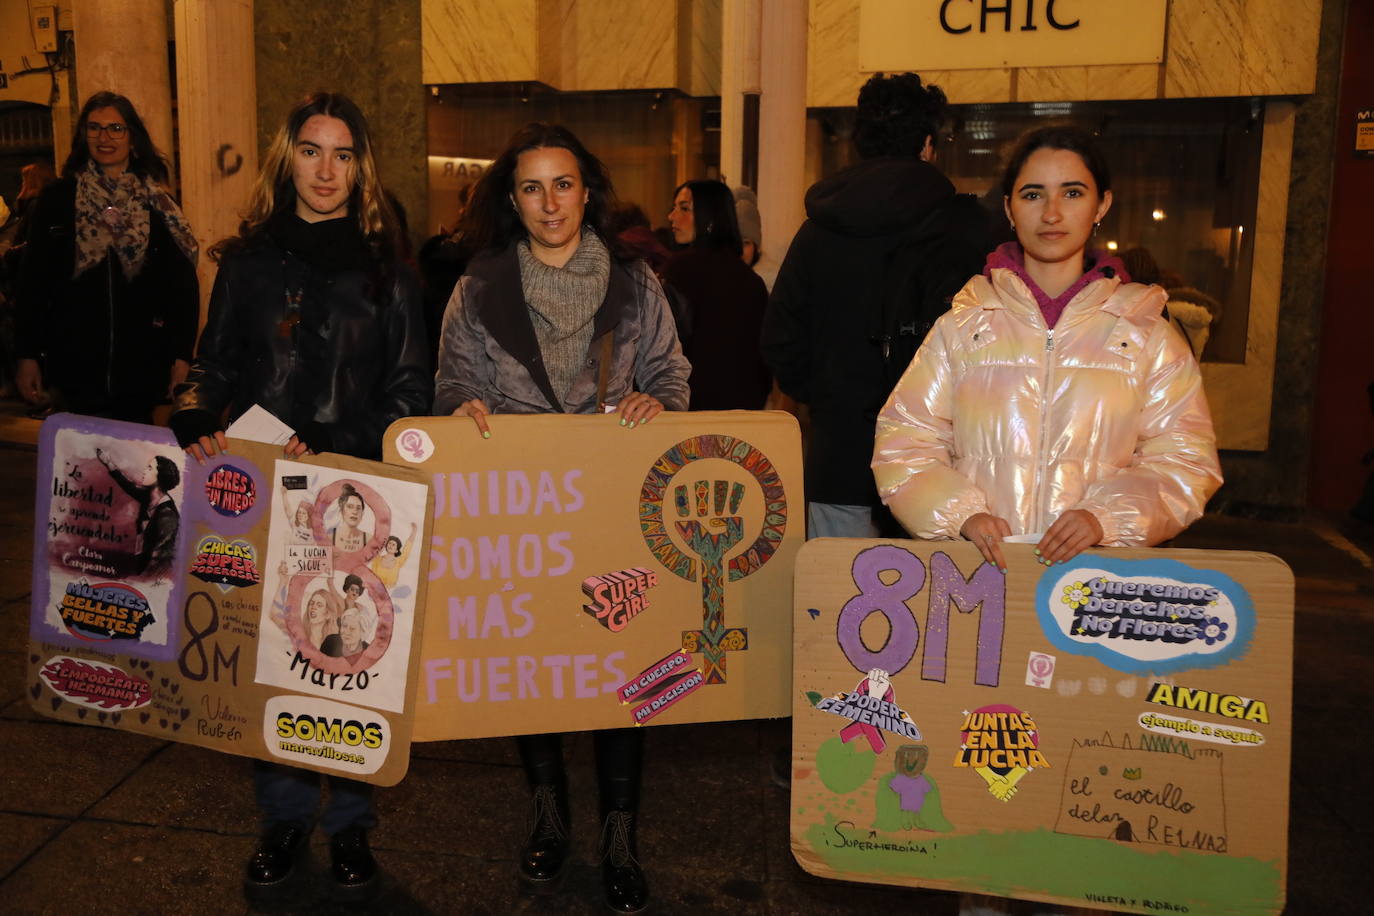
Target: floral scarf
(114,216)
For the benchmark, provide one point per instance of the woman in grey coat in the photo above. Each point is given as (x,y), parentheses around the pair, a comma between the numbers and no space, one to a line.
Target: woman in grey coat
(543,307)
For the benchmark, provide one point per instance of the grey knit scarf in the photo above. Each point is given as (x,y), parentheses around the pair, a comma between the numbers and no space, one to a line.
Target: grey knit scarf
(562,303)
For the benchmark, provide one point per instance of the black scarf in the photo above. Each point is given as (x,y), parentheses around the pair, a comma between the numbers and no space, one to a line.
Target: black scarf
(331,246)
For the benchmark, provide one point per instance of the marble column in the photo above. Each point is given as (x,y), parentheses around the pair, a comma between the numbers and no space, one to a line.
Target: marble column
(217,102)
(121,46)
(739,76)
(782,128)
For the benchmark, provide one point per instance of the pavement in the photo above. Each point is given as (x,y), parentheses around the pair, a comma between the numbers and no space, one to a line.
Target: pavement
(94,820)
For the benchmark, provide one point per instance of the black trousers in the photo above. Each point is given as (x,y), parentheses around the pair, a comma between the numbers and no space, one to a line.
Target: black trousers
(619,760)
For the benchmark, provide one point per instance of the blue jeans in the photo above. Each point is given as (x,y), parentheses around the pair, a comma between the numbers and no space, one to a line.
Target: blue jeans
(832,520)
(290,795)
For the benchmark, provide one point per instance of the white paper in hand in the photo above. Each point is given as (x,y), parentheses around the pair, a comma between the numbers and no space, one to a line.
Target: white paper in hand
(257,424)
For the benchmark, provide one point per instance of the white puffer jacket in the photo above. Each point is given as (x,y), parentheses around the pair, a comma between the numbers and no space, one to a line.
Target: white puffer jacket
(998,414)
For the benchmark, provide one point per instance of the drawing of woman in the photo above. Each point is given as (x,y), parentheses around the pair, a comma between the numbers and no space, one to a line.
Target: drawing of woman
(387,564)
(302,527)
(348,536)
(321,616)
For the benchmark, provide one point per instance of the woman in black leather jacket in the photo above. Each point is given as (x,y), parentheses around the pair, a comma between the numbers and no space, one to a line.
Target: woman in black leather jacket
(314,317)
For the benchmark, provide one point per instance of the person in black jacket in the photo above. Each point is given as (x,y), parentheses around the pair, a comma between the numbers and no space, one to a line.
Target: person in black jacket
(107,292)
(885,245)
(726,298)
(315,318)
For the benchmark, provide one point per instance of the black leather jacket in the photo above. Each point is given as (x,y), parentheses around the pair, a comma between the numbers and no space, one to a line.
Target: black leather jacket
(338,368)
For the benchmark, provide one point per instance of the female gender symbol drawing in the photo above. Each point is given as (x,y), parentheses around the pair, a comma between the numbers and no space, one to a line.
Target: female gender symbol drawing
(714,639)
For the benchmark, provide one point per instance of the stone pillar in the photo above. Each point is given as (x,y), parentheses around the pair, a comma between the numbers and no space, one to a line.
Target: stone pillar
(216,120)
(782,129)
(739,76)
(121,46)
(64,113)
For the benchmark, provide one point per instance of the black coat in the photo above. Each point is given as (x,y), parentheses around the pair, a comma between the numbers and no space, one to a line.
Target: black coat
(821,329)
(355,361)
(106,342)
(726,301)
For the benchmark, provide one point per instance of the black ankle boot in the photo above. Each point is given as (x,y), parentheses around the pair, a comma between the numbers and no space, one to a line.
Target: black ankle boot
(279,865)
(546,849)
(352,867)
(622,880)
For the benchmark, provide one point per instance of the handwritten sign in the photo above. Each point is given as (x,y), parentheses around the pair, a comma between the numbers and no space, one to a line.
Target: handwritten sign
(959,728)
(1165,797)
(585,575)
(253,605)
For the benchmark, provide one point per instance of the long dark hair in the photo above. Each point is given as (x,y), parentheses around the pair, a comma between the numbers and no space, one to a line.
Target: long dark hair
(1057,136)
(275,191)
(713,214)
(490,223)
(144,157)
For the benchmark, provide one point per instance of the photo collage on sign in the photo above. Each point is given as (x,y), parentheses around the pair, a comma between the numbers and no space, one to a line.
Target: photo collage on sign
(340,580)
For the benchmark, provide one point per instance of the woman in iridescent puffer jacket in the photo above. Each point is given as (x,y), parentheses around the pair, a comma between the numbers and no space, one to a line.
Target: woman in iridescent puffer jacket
(1053,398)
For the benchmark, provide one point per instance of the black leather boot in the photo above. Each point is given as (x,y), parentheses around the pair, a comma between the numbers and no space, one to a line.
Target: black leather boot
(545,852)
(546,849)
(280,866)
(355,873)
(622,879)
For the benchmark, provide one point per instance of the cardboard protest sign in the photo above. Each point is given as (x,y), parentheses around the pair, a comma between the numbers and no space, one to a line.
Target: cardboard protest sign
(254,605)
(587,575)
(1112,732)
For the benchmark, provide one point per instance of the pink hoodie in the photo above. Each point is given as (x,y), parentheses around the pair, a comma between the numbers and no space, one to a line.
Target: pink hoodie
(1099,264)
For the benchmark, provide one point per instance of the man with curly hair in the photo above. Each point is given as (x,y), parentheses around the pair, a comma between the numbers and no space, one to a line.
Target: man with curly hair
(885,245)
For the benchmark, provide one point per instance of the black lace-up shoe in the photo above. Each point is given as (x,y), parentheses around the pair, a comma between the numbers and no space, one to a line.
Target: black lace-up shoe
(622,880)
(352,867)
(546,850)
(280,866)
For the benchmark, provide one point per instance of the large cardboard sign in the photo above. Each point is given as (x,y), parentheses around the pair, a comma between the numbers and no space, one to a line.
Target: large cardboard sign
(588,575)
(1112,732)
(254,605)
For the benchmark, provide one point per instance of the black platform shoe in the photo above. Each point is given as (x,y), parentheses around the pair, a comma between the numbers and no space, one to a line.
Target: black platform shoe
(355,873)
(546,849)
(622,879)
(279,869)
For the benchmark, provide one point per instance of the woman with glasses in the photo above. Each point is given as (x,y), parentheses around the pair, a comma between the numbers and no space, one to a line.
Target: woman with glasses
(107,294)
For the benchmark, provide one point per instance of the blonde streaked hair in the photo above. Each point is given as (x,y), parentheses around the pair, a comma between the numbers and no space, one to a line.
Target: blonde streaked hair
(274,190)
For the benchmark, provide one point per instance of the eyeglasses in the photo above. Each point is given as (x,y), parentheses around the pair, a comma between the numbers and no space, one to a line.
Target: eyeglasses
(114,130)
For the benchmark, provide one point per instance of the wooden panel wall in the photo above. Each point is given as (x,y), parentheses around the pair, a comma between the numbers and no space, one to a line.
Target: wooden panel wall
(575,45)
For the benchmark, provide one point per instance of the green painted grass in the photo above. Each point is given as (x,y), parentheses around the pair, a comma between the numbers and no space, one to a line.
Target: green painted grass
(1045,862)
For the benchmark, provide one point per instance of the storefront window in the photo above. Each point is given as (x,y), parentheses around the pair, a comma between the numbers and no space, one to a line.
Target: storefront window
(650,140)
(1185,176)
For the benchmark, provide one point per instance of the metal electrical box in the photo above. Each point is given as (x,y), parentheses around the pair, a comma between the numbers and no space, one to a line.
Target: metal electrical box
(44,22)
